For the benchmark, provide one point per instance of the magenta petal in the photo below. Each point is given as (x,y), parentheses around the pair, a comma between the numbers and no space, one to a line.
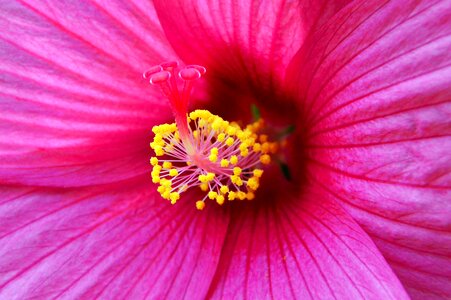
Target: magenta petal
(95,242)
(75,109)
(250,42)
(305,248)
(374,86)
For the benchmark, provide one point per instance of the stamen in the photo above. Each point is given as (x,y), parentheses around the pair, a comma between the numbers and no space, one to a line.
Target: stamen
(201,149)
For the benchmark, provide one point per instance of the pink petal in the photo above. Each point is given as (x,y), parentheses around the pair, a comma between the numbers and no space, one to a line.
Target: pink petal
(73,98)
(374,89)
(300,248)
(244,44)
(98,242)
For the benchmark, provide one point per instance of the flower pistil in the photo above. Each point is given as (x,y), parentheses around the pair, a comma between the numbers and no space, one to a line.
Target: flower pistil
(201,149)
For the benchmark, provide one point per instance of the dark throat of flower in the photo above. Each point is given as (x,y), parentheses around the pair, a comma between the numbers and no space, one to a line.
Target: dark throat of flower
(201,149)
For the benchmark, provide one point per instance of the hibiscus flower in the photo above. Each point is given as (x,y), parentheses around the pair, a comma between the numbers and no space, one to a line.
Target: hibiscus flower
(364,212)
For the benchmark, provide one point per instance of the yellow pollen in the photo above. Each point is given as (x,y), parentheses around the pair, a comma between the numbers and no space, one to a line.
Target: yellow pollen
(213,158)
(220,200)
(154,161)
(236,180)
(229,142)
(263,138)
(241,195)
(224,163)
(265,159)
(200,204)
(173,172)
(212,195)
(233,159)
(174,197)
(210,176)
(204,187)
(237,171)
(253,183)
(202,178)
(167,165)
(257,147)
(258,173)
(224,189)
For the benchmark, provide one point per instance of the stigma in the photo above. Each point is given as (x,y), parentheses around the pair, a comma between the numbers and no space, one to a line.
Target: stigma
(202,150)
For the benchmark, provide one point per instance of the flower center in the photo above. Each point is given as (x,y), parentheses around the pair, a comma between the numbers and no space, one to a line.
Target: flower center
(201,149)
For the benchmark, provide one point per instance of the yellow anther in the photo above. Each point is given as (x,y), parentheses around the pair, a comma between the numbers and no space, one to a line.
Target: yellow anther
(250,196)
(161,189)
(155,145)
(194,115)
(243,146)
(202,123)
(212,195)
(224,163)
(231,196)
(250,142)
(173,172)
(167,165)
(218,124)
(265,159)
(265,147)
(224,189)
(263,138)
(166,195)
(156,169)
(241,195)
(229,142)
(210,176)
(236,180)
(158,138)
(253,183)
(200,205)
(233,159)
(231,130)
(155,178)
(221,137)
(244,153)
(213,157)
(154,161)
(257,147)
(258,173)
(204,187)
(174,196)
(202,178)
(214,151)
(220,199)
(195,134)
(237,171)
(273,147)
(165,182)
(159,151)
